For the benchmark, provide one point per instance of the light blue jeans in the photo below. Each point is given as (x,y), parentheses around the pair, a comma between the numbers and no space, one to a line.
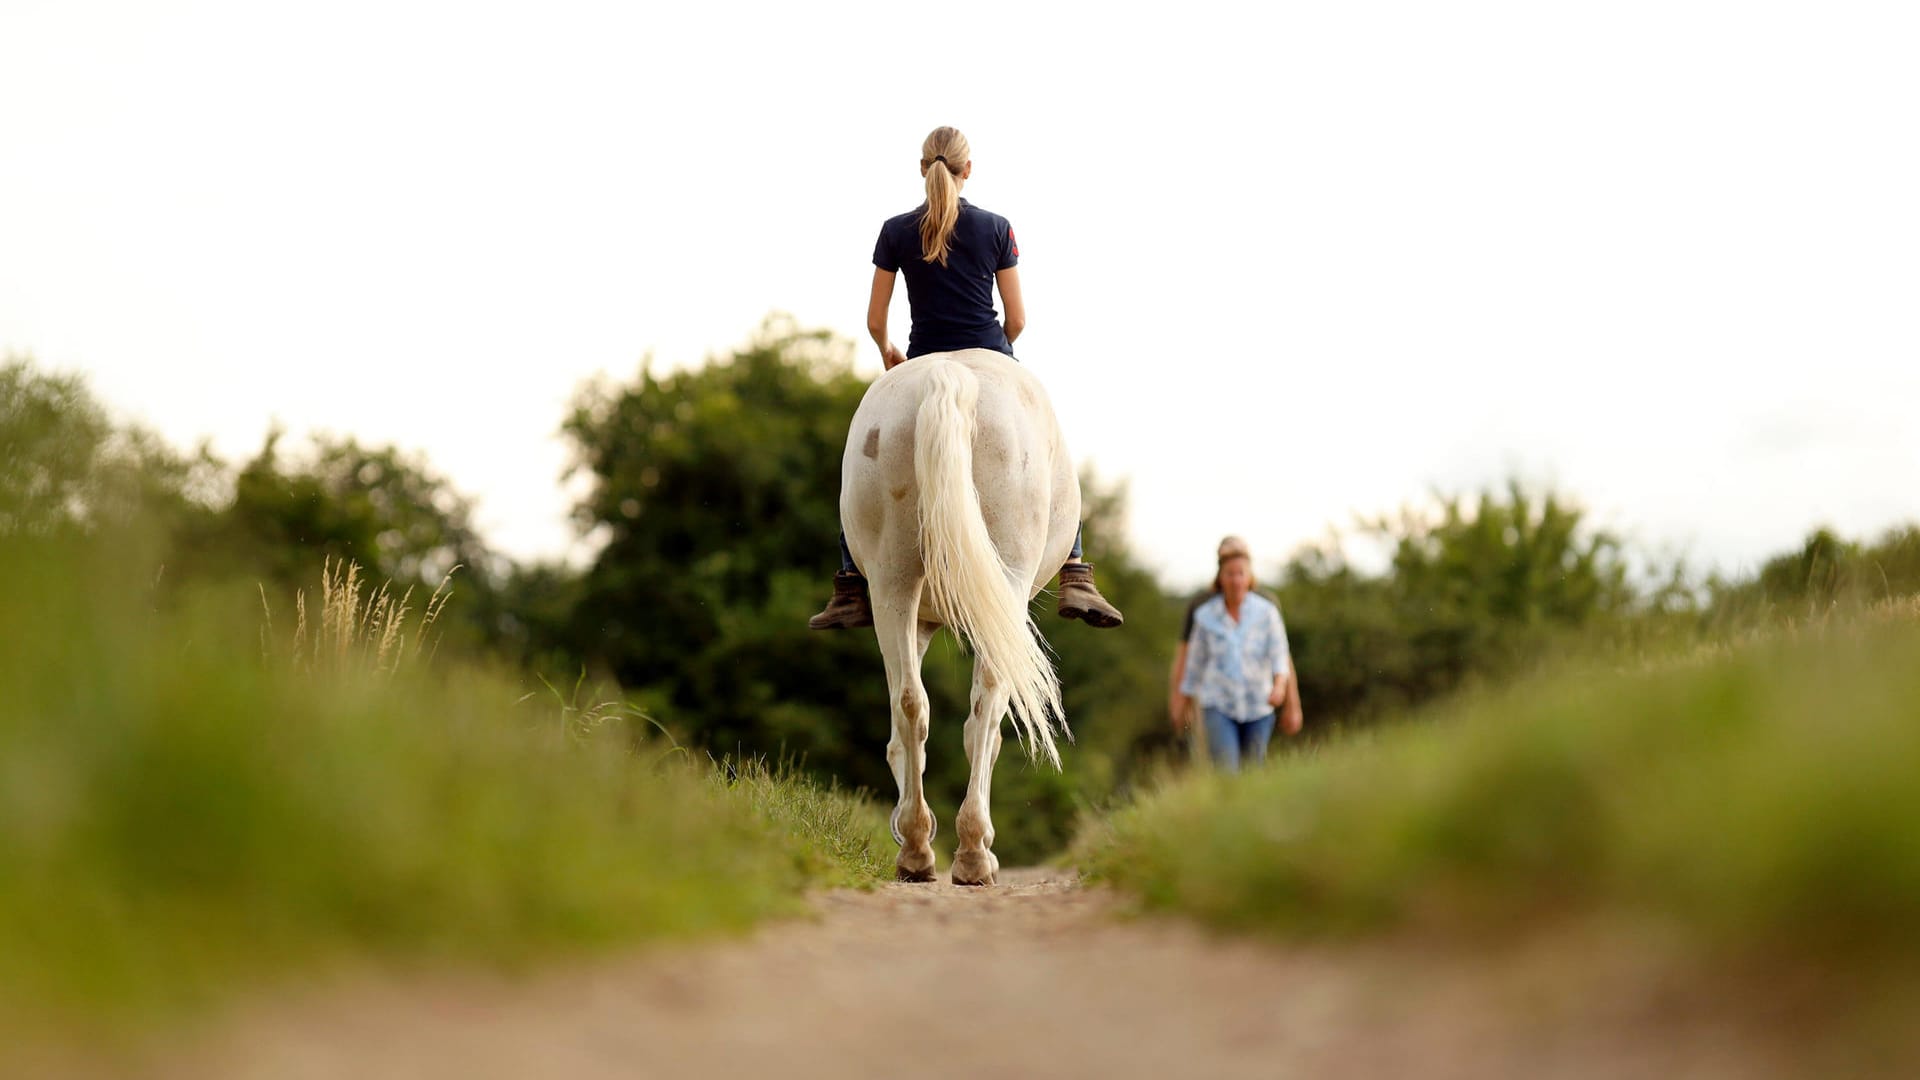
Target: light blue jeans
(1230,741)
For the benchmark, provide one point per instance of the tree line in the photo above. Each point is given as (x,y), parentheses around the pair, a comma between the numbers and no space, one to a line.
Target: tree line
(712,494)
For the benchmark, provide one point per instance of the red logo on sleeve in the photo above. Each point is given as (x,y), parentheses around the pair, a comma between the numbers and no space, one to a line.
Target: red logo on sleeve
(1011,242)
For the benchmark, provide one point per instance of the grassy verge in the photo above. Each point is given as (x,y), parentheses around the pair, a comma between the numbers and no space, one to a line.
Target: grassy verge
(1761,796)
(842,835)
(186,803)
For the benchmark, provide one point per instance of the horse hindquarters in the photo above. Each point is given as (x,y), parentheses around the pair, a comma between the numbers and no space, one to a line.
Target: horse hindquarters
(917,524)
(968,583)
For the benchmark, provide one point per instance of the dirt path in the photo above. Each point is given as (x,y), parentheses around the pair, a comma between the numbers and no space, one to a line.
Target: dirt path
(1037,977)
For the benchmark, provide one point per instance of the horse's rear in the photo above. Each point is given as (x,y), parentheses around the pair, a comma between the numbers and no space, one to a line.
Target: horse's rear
(959,502)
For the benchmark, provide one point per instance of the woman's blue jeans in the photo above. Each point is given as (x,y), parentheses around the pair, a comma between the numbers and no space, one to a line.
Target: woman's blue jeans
(1230,741)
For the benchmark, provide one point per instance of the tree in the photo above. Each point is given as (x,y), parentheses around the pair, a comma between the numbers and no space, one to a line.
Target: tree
(1473,589)
(377,506)
(716,491)
(66,465)
(287,514)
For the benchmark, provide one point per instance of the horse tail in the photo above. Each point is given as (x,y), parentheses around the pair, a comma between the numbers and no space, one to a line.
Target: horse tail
(968,584)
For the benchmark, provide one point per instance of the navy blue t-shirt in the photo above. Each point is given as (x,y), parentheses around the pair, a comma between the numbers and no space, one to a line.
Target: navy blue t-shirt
(952,305)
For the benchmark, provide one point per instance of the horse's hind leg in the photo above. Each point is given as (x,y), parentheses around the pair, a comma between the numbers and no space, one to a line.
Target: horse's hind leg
(903,642)
(974,863)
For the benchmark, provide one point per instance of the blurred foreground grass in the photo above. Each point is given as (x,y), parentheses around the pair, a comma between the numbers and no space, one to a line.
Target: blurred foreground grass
(1760,796)
(188,799)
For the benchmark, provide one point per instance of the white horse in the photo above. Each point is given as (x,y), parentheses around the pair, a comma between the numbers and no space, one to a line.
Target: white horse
(959,504)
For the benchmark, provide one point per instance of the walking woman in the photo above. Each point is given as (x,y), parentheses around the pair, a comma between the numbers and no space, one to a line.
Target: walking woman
(953,255)
(1238,667)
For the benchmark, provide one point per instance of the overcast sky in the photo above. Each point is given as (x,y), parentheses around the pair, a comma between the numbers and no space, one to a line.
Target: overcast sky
(1280,268)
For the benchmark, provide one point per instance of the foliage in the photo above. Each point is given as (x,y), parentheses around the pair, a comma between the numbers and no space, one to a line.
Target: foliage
(178,810)
(69,466)
(1476,589)
(1760,795)
(844,834)
(714,491)
(710,485)
(51,435)
(64,464)
(375,506)
(1828,573)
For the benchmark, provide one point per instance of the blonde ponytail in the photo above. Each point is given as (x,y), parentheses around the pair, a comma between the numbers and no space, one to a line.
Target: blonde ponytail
(942,157)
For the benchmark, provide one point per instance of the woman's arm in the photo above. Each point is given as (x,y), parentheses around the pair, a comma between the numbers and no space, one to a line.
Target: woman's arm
(1197,660)
(1009,280)
(1278,660)
(1286,680)
(877,305)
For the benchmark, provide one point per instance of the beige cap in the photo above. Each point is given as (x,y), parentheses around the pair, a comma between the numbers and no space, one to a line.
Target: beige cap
(1234,547)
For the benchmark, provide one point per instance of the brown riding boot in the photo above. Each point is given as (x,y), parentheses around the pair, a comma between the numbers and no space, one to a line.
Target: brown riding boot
(849,607)
(1079,599)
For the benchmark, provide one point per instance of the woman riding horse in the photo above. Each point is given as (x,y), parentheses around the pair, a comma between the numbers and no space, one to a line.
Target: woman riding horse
(953,253)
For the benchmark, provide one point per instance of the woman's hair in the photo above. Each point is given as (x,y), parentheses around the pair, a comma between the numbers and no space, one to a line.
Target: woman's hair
(943,155)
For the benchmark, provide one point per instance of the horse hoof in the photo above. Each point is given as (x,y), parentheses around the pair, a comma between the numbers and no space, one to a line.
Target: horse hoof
(973,870)
(915,866)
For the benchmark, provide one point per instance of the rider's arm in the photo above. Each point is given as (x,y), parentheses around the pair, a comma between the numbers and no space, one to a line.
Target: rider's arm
(1009,280)
(877,305)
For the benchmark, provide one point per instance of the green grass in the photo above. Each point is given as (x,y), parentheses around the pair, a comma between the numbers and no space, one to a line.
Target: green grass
(843,835)
(1762,795)
(188,805)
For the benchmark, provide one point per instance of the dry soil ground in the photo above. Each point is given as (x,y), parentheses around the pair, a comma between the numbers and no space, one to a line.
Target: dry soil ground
(1036,977)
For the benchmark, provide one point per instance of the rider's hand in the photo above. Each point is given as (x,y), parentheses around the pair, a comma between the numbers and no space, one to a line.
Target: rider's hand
(893,357)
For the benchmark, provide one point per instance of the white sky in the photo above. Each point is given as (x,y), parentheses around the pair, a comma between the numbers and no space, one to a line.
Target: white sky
(1280,268)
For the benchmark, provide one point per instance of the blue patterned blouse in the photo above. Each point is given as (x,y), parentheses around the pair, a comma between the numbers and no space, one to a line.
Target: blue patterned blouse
(1231,665)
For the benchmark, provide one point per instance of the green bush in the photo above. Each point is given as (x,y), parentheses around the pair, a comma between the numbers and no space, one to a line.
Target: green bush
(1827,575)
(186,799)
(1762,795)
